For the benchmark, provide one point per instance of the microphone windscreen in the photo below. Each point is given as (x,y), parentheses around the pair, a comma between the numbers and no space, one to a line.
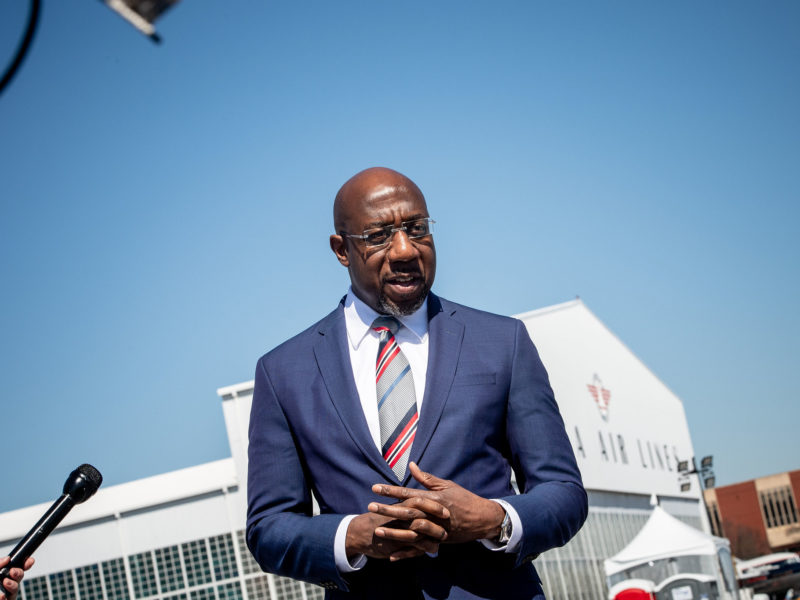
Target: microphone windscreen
(82,483)
(92,474)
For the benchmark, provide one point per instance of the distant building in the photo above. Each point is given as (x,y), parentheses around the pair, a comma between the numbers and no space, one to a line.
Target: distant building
(758,516)
(180,535)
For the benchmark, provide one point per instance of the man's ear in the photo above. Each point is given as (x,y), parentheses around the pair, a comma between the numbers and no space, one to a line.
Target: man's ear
(339,248)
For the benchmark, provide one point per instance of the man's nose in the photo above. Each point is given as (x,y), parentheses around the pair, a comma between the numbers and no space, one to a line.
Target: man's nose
(401,247)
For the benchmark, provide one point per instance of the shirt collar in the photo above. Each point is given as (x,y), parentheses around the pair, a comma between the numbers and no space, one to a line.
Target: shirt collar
(359,317)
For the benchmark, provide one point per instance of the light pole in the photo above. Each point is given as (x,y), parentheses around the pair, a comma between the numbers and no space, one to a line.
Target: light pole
(705,479)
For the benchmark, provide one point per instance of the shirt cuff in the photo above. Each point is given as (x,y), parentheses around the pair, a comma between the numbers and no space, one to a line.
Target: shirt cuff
(340,551)
(516,531)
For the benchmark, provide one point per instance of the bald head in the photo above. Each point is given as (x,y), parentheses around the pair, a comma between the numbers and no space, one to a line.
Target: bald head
(392,277)
(371,184)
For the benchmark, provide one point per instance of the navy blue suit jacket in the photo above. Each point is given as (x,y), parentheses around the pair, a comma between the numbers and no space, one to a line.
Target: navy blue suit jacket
(488,409)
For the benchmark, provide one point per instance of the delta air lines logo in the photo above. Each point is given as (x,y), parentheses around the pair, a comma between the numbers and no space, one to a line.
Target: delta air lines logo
(601,395)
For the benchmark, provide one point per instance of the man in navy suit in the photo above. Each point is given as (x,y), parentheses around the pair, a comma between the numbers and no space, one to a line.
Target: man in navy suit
(431,512)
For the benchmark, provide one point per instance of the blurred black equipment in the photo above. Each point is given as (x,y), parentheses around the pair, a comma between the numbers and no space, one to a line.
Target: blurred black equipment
(141,13)
(24,45)
(81,484)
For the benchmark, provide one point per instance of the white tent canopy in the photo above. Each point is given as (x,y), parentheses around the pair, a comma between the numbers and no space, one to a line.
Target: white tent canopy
(663,544)
(663,537)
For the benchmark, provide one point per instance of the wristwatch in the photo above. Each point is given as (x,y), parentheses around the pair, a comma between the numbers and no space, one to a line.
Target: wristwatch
(505,530)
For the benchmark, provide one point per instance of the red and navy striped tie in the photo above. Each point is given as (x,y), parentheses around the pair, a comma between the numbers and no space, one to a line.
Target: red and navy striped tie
(397,404)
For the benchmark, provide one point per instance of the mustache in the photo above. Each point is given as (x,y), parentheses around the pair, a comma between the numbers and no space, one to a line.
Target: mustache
(401,277)
(408,273)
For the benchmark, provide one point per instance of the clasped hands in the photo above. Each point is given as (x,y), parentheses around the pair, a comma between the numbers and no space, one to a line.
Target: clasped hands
(443,512)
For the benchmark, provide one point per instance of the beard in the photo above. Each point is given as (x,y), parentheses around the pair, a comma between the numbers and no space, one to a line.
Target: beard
(388,307)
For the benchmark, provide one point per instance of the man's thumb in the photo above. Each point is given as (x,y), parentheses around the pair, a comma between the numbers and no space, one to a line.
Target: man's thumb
(426,479)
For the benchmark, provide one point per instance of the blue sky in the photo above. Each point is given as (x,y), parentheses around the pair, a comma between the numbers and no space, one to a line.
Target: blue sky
(165,209)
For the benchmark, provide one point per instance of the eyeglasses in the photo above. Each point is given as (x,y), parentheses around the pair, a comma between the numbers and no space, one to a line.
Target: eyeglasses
(380,236)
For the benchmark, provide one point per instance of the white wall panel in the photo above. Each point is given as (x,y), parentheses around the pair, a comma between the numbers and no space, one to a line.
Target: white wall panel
(175,524)
(641,412)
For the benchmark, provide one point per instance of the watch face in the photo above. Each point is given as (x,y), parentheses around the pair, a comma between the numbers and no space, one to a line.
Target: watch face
(505,530)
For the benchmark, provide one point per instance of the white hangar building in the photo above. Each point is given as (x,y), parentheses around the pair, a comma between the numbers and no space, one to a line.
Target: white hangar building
(180,535)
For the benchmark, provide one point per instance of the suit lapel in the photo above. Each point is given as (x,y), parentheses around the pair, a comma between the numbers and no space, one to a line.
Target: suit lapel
(333,359)
(445,335)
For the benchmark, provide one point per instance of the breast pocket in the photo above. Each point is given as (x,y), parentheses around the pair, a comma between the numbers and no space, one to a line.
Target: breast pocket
(475,378)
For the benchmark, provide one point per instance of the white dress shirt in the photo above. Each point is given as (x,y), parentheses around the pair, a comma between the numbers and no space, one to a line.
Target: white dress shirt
(363,346)
(412,338)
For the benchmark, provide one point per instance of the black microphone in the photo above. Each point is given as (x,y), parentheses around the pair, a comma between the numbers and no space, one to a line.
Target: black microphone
(81,484)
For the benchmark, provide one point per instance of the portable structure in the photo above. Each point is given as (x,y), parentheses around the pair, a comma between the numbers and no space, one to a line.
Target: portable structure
(666,549)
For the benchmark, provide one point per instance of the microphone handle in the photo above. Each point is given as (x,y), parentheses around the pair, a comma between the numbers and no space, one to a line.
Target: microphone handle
(44,526)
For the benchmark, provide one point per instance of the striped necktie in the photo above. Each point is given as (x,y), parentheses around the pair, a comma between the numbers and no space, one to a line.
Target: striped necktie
(397,404)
